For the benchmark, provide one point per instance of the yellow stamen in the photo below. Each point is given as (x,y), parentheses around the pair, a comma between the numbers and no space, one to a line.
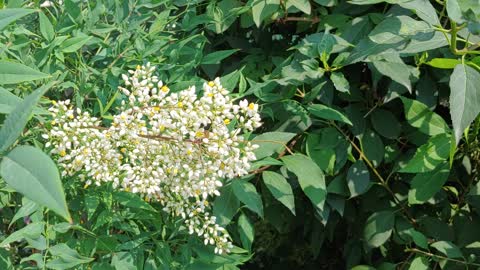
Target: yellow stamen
(63,153)
(53,123)
(156,108)
(138,66)
(251,106)
(86,186)
(199,134)
(210,94)
(165,89)
(226,121)
(189,152)
(211,84)
(71,116)
(54,102)
(180,104)
(123,150)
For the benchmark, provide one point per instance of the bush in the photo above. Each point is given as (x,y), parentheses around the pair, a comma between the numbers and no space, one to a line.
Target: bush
(368,153)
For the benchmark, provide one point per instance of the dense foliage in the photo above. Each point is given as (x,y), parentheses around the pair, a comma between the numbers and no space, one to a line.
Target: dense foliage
(368,153)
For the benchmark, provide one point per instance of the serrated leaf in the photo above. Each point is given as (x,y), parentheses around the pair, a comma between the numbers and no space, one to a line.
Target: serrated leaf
(464,98)
(31,172)
(280,189)
(310,177)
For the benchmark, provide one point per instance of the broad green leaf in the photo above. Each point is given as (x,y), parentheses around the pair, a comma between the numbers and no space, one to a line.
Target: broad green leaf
(10,15)
(397,71)
(124,261)
(358,179)
(8,103)
(367,47)
(280,189)
(247,194)
(324,112)
(430,155)
(372,146)
(448,248)
(371,2)
(340,82)
(271,142)
(32,230)
(18,118)
(31,172)
(419,263)
(420,116)
(464,98)
(132,200)
(423,9)
(28,207)
(303,5)
(67,257)
(378,228)
(454,11)
(217,57)
(385,123)
(225,206)
(444,63)
(310,177)
(46,27)
(396,29)
(11,72)
(246,231)
(74,44)
(261,9)
(426,185)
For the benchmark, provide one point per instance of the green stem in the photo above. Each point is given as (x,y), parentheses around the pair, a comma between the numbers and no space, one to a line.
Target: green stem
(428,254)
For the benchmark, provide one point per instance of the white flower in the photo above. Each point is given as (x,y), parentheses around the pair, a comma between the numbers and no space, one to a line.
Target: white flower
(170,147)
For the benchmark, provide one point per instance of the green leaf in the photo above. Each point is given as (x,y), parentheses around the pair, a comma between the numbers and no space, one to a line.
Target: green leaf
(32,173)
(123,261)
(8,102)
(426,185)
(247,194)
(225,206)
(372,146)
(385,123)
(67,257)
(10,15)
(324,112)
(11,72)
(303,5)
(396,29)
(397,71)
(217,57)
(32,230)
(358,179)
(73,44)
(18,118)
(340,83)
(271,142)
(464,98)
(420,116)
(310,177)
(378,228)
(430,155)
(448,248)
(280,189)
(46,27)
(444,63)
(261,9)
(424,9)
(419,263)
(246,231)
(132,200)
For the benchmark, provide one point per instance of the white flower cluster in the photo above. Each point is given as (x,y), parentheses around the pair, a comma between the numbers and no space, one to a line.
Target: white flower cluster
(171,147)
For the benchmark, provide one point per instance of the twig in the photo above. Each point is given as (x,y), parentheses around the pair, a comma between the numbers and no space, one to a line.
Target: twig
(415,250)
